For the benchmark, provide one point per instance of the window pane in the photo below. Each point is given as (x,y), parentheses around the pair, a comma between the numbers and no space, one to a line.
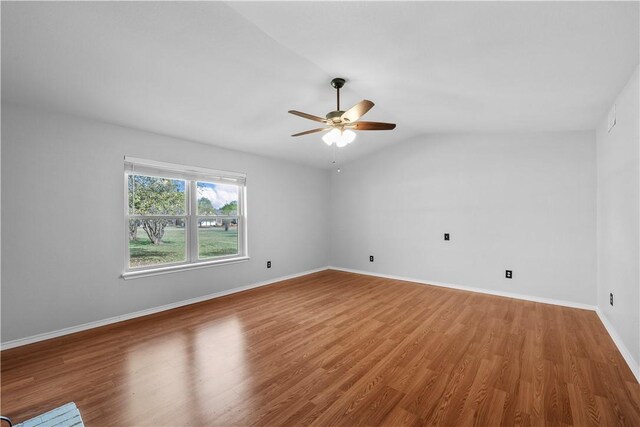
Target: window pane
(156,242)
(217,237)
(217,199)
(149,195)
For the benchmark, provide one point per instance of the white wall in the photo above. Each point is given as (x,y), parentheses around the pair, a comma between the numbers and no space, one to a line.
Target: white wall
(62,221)
(619,219)
(524,202)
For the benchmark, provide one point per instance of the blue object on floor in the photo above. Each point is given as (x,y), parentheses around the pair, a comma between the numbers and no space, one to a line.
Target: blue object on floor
(67,415)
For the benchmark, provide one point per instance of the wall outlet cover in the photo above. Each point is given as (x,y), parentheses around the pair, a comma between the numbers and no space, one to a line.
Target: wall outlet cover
(509,274)
(446,236)
(370,258)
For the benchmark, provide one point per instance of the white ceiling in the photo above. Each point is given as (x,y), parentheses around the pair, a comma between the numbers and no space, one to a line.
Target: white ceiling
(226,74)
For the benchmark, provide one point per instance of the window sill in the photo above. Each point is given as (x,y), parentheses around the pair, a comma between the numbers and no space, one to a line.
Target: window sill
(175,268)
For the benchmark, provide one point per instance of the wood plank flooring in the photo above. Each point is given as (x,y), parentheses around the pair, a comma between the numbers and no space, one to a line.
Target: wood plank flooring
(334,348)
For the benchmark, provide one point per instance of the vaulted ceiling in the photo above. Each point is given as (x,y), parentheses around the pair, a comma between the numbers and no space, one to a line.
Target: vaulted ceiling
(226,73)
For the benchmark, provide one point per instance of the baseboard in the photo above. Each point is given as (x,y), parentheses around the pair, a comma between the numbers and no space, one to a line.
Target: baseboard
(626,354)
(473,289)
(85,326)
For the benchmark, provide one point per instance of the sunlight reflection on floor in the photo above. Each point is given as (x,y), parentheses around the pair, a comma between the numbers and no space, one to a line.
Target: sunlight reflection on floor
(200,367)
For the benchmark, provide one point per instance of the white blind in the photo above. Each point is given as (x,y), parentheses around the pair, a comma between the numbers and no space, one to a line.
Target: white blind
(136,166)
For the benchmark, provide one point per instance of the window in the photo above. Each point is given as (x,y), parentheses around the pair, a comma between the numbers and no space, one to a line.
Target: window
(180,217)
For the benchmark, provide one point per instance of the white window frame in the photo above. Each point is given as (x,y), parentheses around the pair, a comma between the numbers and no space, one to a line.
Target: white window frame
(191,175)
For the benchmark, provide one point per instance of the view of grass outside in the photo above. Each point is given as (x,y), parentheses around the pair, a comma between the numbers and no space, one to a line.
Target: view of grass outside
(215,241)
(143,252)
(212,242)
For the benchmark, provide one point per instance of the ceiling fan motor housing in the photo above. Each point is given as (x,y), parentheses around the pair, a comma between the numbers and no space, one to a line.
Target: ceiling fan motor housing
(335,116)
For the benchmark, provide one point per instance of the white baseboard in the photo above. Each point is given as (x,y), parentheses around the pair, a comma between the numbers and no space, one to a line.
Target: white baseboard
(473,289)
(626,354)
(73,329)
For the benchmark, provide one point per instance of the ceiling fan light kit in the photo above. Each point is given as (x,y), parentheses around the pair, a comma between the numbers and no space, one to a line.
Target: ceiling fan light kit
(340,138)
(341,124)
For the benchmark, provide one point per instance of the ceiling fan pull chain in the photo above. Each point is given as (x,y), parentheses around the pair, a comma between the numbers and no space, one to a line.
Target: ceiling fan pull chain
(334,159)
(338,108)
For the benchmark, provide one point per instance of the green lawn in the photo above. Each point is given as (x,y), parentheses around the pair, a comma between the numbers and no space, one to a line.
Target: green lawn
(213,241)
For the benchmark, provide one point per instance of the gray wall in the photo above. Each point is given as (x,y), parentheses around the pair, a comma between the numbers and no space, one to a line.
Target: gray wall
(619,218)
(524,202)
(62,221)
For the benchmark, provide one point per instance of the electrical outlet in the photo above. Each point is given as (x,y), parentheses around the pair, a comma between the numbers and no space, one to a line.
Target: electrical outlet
(509,274)
(446,236)
(611,299)
(370,258)
(268,264)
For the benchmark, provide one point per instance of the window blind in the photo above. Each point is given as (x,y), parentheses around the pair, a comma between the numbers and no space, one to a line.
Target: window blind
(137,166)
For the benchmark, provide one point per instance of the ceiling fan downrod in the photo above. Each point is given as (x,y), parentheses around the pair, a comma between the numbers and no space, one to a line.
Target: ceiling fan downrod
(337,83)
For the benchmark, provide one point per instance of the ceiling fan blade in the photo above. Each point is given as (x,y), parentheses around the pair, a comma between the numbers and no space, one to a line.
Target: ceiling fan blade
(307,132)
(357,111)
(308,116)
(372,126)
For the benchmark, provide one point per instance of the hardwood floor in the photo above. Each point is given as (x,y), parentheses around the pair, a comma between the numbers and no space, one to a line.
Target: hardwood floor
(334,348)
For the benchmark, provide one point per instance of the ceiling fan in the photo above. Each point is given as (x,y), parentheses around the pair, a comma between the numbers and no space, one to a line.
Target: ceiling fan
(341,124)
